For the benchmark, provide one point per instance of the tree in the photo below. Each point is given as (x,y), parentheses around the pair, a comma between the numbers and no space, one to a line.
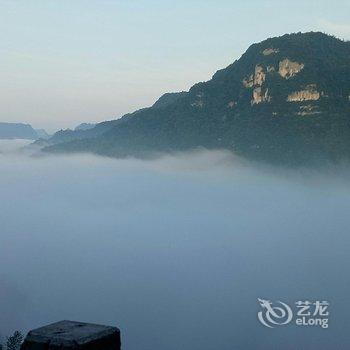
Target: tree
(14,341)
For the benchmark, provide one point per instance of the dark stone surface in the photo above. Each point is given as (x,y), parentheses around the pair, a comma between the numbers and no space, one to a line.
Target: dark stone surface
(66,335)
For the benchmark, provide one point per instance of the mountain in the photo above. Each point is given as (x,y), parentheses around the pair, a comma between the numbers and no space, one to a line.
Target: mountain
(168,99)
(89,130)
(68,135)
(285,101)
(17,131)
(42,134)
(84,126)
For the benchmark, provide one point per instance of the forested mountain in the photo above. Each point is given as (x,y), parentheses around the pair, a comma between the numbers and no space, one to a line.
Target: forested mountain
(285,101)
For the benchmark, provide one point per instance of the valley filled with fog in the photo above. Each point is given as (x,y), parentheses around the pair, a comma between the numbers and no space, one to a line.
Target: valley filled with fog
(175,251)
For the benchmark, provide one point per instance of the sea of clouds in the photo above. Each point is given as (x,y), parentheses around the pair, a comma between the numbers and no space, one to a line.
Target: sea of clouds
(175,251)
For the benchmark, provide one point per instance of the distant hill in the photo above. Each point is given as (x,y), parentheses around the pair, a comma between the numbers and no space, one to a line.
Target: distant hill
(84,126)
(17,131)
(42,134)
(285,101)
(68,135)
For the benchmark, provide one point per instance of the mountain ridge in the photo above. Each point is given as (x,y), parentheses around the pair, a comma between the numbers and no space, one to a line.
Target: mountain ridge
(9,131)
(285,100)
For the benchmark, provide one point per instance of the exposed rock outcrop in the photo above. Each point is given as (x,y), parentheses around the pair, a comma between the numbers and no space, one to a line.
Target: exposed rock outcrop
(308,94)
(257,79)
(260,95)
(259,76)
(287,68)
(270,51)
(308,110)
(70,335)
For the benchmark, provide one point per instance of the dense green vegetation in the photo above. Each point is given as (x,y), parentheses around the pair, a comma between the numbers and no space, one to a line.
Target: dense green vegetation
(219,114)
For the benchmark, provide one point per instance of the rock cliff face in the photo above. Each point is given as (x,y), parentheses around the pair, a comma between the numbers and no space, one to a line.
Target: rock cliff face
(308,94)
(288,69)
(256,79)
(260,95)
(259,76)
(286,101)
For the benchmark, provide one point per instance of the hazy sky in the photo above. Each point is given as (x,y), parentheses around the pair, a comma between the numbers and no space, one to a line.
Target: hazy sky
(65,62)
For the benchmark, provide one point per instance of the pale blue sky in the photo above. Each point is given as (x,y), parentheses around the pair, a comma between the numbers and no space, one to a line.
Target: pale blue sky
(69,61)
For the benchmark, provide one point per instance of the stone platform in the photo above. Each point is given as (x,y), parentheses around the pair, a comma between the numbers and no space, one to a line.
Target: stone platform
(69,335)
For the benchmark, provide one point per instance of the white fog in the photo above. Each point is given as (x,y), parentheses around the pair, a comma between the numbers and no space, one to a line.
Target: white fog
(174,251)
